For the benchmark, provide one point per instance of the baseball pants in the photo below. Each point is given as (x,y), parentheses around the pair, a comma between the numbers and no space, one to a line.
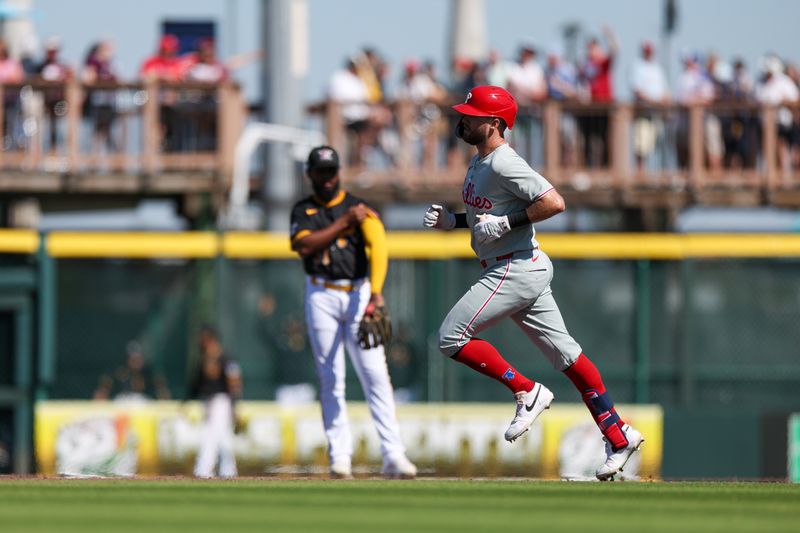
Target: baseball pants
(333,318)
(517,287)
(217,439)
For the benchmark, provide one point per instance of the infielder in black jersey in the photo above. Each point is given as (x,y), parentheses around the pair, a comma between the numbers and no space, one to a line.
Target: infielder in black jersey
(217,382)
(332,230)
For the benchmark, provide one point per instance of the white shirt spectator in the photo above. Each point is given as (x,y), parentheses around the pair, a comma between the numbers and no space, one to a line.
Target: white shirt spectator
(648,79)
(207,73)
(779,89)
(418,88)
(349,90)
(497,70)
(694,87)
(527,80)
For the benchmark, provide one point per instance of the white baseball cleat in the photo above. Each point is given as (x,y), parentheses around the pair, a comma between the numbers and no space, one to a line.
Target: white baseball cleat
(617,459)
(341,468)
(398,467)
(529,406)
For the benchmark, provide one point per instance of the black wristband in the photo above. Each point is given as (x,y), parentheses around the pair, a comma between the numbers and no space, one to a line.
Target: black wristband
(520,218)
(461,220)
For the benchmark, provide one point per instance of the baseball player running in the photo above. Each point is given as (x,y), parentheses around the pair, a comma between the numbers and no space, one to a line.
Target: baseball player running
(504,197)
(344,308)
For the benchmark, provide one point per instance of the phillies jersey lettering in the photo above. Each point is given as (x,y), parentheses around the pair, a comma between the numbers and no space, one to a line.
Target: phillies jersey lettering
(346,256)
(500,184)
(478,202)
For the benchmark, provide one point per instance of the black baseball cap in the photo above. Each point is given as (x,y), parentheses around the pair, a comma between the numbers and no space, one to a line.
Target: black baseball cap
(322,157)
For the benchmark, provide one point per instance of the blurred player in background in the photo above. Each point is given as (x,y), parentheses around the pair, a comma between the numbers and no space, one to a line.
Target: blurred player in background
(217,381)
(134,381)
(504,196)
(331,230)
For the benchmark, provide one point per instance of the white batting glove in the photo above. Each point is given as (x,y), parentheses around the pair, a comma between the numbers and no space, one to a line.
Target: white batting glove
(490,228)
(439,217)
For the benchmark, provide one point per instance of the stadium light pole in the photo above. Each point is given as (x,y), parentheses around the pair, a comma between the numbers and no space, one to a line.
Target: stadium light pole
(669,26)
(284,38)
(467,32)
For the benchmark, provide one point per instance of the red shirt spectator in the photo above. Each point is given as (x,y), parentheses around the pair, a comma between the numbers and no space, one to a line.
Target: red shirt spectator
(599,77)
(166,65)
(597,70)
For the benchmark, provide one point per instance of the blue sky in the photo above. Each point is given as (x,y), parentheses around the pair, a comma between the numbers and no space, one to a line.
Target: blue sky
(419,28)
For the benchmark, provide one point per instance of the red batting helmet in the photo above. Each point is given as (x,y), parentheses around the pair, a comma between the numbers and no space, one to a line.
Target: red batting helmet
(490,101)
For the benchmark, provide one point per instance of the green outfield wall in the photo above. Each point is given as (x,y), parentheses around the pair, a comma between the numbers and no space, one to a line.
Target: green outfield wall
(689,322)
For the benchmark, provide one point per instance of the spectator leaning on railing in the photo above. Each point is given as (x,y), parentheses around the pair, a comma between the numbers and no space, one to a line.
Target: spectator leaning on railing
(349,90)
(497,69)
(561,76)
(694,88)
(718,74)
(649,85)
(52,69)
(562,85)
(740,131)
(793,72)
(204,67)
(527,83)
(526,79)
(596,73)
(98,104)
(417,86)
(165,66)
(10,68)
(778,89)
(10,73)
(369,69)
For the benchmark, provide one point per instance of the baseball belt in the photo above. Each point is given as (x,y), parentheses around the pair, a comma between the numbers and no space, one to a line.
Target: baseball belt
(337,285)
(530,253)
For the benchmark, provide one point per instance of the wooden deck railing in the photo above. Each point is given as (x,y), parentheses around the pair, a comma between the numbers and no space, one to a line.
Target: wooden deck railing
(414,155)
(181,138)
(113,129)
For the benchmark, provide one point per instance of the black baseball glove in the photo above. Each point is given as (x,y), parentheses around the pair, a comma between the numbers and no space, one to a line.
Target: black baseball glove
(375,328)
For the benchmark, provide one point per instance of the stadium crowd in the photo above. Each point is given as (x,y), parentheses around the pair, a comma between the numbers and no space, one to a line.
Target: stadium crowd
(366,90)
(102,103)
(731,129)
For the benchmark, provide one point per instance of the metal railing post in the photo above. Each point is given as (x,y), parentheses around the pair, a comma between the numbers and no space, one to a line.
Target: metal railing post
(642,332)
(46,311)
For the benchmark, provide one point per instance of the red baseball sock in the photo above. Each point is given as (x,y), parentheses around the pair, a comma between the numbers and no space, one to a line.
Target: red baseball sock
(587,380)
(481,356)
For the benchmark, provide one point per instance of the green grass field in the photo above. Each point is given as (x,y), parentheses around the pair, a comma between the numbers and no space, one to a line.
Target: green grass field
(33,505)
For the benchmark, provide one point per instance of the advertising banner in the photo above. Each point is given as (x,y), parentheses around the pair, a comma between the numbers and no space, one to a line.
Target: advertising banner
(162,438)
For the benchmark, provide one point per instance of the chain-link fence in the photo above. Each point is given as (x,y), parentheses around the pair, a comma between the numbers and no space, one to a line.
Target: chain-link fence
(716,333)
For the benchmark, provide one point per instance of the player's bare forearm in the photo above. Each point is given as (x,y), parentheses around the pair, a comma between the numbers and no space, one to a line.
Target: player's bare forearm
(548,205)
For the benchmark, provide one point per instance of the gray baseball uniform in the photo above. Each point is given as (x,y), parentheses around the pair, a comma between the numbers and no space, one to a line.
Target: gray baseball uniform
(515,281)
